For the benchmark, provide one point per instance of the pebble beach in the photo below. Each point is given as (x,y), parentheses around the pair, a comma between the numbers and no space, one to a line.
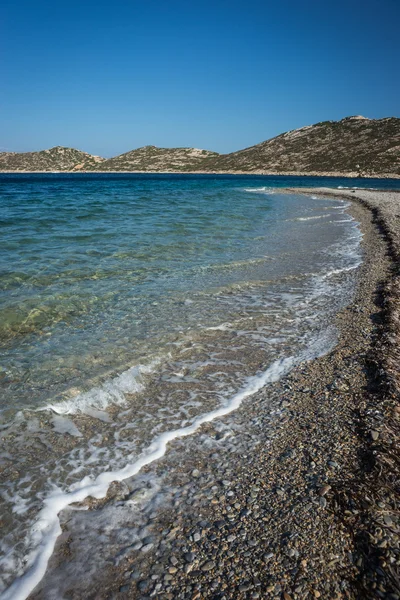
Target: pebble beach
(300,503)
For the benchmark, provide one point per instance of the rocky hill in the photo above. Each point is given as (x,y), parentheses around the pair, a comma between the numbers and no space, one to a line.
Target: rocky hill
(153,159)
(354,146)
(54,159)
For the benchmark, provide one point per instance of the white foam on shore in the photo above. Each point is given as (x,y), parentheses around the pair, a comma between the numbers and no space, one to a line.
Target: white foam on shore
(222,327)
(345,187)
(262,190)
(341,270)
(311,218)
(111,392)
(63,425)
(46,528)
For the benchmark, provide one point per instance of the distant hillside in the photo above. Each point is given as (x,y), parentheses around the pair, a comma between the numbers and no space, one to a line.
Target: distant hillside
(153,159)
(54,159)
(354,146)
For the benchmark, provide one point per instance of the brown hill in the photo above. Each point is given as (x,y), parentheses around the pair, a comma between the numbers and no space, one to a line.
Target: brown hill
(354,145)
(153,159)
(54,159)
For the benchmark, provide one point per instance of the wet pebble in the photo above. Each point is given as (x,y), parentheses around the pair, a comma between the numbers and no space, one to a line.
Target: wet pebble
(143,585)
(189,557)
(324,490)
(208,566)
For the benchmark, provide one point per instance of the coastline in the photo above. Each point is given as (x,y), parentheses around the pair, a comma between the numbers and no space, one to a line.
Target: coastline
(338,174)
(283,519)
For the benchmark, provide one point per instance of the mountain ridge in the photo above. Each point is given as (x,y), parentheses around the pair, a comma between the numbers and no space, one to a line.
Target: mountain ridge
(353,146)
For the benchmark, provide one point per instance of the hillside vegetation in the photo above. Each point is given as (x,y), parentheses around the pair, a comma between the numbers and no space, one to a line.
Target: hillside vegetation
(151,158)
(354,146)
(54,159)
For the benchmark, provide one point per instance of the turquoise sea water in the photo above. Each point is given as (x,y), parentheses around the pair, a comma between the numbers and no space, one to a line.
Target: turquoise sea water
(94,271)
(131,305)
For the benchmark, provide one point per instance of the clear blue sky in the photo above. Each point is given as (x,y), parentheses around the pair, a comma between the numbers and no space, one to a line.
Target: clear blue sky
(107,77)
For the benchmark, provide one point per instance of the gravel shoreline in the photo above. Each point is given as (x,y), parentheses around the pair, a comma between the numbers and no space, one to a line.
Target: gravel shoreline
(302,503)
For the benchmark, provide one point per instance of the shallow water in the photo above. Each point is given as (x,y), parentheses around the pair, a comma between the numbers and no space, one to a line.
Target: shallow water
(135,307)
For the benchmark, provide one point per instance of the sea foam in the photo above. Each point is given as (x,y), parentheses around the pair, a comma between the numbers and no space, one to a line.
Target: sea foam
(44,533)
(261,190)
(47,527)
(111,392)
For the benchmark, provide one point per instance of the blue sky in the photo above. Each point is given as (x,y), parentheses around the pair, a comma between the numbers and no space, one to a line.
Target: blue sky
(106,77)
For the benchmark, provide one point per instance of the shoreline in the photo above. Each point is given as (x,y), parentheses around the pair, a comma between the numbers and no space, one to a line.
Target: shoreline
(338,174)
(285,478)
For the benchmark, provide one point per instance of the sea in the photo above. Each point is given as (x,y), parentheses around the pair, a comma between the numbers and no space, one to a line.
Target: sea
(135,308)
